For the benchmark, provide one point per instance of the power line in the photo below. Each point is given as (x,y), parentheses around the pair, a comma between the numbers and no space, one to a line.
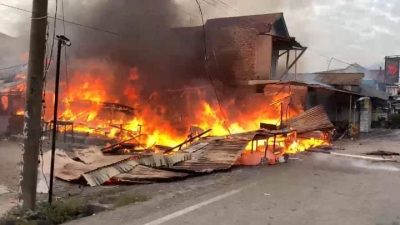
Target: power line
(331,58)
(206,66)
(15,66)
(65,49)
(52,42)
(250,19)
(66,21)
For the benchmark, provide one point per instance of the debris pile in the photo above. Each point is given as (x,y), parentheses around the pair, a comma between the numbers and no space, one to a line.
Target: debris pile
(127,162)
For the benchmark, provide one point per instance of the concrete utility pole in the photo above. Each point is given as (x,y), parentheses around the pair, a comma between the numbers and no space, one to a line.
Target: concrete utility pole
(33,109)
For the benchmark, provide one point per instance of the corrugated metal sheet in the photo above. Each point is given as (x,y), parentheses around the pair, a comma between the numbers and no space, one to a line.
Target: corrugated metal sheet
(219,154)
(340,78)
(144,174)
(311,120)
(160,160)
(101,175)
(100,169)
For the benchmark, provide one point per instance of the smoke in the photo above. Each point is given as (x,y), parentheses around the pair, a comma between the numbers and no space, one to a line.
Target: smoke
(146,39)
(147,63)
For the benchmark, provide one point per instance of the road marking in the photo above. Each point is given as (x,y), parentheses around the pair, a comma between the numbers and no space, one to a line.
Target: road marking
(192,208)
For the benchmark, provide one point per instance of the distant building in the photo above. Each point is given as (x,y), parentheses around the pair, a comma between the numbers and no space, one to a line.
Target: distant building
(350,95)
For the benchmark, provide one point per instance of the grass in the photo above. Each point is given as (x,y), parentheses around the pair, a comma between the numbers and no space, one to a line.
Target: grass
(66,210)
(45,214)
(124,199)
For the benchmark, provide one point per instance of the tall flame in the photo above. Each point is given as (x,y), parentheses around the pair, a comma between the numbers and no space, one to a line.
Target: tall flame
(156,120)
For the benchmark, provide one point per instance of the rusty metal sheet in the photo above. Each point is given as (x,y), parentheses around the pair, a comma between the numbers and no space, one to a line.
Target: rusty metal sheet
(161,160)
(100,169)
(103,174)
(219,154)
(313,119)
(144,174)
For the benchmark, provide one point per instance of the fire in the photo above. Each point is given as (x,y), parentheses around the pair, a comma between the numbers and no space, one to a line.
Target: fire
(4,102)
(155,120)
(20,113)
(302,145)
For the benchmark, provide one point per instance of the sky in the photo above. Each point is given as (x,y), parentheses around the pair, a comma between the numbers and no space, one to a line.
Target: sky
(362,31)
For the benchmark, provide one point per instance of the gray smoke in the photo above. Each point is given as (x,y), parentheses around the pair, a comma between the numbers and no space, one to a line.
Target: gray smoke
(146,38)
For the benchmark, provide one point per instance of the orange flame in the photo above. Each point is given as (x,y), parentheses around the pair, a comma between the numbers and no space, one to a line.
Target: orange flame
(153,123)
(20,113)
(4,102)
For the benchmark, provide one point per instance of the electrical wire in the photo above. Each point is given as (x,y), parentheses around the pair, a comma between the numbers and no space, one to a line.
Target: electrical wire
(249,19)
(49,60)
(207,69)
(66,21)
(65,49)
(15,66)
(330,58)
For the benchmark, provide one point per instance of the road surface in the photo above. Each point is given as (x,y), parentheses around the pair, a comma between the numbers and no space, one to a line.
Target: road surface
(313,189)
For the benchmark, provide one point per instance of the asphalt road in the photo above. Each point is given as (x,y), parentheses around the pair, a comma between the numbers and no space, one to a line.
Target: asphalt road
(315,189)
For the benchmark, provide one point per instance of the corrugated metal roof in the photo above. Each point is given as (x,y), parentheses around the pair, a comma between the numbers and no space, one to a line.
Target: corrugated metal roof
(329,78)
(144,174)
(161,160)
(309,84)
(100,169)
(352,68)
(101,175)
(341,78)
(310,80)
(311,120)
(219,154)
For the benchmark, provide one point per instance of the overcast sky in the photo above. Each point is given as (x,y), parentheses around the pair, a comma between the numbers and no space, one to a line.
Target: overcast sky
(362,31)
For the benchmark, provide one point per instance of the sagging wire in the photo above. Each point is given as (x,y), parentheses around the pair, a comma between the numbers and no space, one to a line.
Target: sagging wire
(207,69)
(52,42)
(15,66)
(70,22)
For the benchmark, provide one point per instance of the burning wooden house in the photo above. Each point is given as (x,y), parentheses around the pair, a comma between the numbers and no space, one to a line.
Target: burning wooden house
(12,100)
(193,129)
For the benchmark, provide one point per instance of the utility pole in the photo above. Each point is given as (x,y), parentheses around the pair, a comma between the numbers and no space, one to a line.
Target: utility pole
(62,40)
(33,109)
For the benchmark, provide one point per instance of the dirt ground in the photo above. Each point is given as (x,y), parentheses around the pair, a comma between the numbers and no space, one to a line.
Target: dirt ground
(9,173)
(309,185)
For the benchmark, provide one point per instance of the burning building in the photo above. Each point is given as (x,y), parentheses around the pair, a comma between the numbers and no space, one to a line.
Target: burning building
(159,111)
(12,100)
(104,99)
